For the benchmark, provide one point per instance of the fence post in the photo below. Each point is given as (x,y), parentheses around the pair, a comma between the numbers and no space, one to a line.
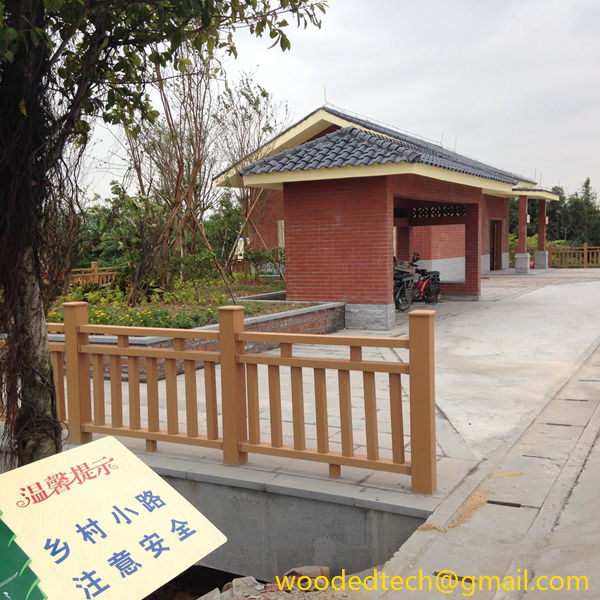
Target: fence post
(585,255)
(233,385)
(422,400)
(78,372)
(95,276)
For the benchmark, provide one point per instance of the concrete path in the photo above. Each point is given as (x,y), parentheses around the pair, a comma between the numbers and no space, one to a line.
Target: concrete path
(518,378)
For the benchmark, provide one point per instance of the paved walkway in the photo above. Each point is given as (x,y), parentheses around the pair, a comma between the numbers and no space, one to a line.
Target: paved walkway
(534,420)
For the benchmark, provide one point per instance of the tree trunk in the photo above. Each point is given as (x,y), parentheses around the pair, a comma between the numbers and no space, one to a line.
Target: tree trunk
(31,429)
(37,427)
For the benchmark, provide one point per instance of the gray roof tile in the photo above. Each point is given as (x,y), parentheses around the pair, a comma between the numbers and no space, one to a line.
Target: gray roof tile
(351,146)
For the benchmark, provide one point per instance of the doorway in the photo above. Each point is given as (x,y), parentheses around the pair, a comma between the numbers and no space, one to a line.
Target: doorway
(495,244)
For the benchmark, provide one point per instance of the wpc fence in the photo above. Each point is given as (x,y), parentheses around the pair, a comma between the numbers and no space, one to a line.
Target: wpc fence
(228,416)
(95,274)
(574,257)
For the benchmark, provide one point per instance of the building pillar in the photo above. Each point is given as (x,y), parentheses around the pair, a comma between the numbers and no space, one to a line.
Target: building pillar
(522,256)
(473,251)
(541,256)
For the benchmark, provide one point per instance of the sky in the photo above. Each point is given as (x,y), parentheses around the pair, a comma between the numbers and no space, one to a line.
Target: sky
(513,83)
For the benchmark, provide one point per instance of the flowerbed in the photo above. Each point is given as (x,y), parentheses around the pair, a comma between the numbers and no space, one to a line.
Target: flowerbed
(189,305)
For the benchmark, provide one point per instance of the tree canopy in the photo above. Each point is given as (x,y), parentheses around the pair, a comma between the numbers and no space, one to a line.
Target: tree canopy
(64,63)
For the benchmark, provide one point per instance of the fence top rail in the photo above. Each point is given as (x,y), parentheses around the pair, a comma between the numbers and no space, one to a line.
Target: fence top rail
(196,334)
(340,364)
(56,327)
(574,249)
(132,351)
(89,269)
(322,340)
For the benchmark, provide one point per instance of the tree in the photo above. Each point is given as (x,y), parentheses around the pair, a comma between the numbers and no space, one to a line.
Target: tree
(62,63)
(248,117)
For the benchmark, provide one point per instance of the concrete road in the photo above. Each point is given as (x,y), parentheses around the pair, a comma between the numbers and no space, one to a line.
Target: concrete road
(518,379)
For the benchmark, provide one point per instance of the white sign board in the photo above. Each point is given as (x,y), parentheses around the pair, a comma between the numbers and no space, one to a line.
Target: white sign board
(97,522)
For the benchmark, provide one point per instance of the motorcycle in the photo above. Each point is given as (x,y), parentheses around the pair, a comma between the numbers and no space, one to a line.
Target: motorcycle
(403,285)
(427,286)
(414,284)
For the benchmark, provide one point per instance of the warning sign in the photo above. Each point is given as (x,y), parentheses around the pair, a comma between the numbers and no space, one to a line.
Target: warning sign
(95,522)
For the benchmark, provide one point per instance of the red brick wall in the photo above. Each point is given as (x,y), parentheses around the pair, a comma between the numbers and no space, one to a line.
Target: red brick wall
(268,210)
(339,240)
(493,207)
(439,241)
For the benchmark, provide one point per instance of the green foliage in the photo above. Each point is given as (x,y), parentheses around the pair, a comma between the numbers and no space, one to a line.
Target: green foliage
(223,225)
(104,52)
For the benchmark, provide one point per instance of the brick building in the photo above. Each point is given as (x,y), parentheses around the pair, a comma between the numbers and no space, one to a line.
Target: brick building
(345,195)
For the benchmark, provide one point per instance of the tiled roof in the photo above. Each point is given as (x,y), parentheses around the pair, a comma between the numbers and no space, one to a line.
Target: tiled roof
(346,147)
(351,146)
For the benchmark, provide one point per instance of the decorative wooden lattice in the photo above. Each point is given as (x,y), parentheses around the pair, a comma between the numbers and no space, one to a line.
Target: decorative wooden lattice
(438,212)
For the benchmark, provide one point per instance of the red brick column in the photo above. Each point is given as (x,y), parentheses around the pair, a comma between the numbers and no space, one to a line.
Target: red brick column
(541,224)
(339,243)
(472,251)
(522,240)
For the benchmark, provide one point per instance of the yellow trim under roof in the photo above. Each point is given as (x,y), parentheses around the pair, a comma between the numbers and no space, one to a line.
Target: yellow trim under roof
(533,194)
(275,180)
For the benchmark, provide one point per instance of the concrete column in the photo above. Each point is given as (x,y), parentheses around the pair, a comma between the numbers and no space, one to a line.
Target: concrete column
(541,256)
(522,256)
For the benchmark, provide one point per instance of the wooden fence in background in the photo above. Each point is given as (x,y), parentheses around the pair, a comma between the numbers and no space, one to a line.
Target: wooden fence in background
(574,257)
(95,274)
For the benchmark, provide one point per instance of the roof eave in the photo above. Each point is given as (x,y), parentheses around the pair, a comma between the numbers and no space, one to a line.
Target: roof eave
(276,180)
(535,193)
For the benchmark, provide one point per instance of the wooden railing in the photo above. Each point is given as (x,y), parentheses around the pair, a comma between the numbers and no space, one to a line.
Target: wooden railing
(95,274)
(574,257)
(153,408)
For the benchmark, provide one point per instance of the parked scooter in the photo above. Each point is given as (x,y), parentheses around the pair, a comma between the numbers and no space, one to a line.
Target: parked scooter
(414,284)
(427,286)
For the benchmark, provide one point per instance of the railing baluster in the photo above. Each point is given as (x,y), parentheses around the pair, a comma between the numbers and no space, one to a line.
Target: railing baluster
(253,405)
(191,401)
(275,406)
(297,400)
(171,384)
(397,419)
(116,394)
(370,406)
(371,415)
(152,395)
(345,413)
(321,411)
(98,375)
(133,377)
(210,391)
